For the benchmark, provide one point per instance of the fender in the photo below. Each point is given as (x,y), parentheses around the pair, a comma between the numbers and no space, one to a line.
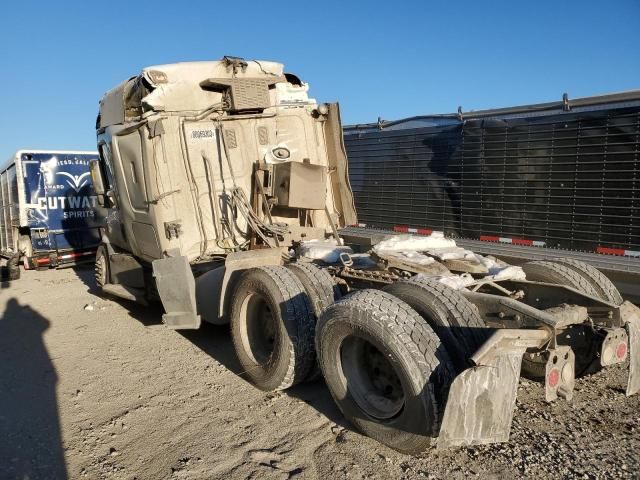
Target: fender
(214,288)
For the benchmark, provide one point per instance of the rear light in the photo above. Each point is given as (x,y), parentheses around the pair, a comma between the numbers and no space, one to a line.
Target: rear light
(614,346)
(567,373)
(560,373)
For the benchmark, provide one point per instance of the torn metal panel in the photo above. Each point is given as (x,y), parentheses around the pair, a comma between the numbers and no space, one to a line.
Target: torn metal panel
(112,105)
(155,128)
(173,88)
(339,165)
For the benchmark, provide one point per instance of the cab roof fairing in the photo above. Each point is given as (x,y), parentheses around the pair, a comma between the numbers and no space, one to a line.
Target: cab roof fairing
(175,87)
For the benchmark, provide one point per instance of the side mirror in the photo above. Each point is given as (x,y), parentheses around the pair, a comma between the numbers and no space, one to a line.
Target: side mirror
(97,178)
(106,197)
(110,199)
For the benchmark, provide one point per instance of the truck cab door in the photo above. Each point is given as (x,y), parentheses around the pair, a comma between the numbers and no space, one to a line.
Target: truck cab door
(113,221)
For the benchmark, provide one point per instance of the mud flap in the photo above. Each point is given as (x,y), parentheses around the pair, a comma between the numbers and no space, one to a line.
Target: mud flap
(631,316)
(177,289)
(482,399)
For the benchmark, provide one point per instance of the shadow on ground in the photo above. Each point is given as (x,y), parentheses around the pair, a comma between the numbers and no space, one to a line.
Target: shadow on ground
(216,342)
(146,314)
(30,437)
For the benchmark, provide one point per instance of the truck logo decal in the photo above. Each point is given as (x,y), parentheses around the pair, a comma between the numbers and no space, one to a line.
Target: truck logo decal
(76,181)
(65,203)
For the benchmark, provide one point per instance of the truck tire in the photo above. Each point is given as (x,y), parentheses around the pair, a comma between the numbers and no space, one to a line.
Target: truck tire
(598,280)
(102,267)
(11,271)
(318,284)
(322,292)
(386,369)
(552,272)
(455,319)
(272,328)
(533,366)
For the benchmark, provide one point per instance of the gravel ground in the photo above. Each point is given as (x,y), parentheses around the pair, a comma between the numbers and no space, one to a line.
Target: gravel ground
(96,388)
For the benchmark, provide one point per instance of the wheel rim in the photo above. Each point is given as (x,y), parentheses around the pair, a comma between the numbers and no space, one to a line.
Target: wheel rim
(258,329)
(371,379)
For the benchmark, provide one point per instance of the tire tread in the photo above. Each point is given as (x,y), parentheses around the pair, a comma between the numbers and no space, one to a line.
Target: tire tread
(599,281)
(394,319)
(551,272)
(299,322)
(472,331)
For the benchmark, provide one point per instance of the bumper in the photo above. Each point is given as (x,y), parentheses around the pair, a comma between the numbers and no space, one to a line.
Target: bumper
(44,260)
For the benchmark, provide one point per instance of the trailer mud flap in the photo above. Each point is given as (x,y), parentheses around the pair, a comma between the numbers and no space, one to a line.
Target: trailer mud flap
(482,399)
(631,316)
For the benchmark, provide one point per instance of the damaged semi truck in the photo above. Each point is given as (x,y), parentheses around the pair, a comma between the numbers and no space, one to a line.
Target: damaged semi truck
(226,187)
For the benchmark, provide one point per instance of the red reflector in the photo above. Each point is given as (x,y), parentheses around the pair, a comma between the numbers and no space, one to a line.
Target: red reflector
(42,260)
(401,228)
(521,241)
(424,231)
(610,251)
(487,238)
(553,378)
(621,350)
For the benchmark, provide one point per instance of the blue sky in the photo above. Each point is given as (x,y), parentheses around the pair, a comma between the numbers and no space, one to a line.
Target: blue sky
(388,59)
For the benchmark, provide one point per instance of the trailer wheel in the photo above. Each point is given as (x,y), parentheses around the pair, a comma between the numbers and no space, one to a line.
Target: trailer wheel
(272,327)
(533,366)
(385,367)
(102,267)
(598,280)
(322,292)
(455,320)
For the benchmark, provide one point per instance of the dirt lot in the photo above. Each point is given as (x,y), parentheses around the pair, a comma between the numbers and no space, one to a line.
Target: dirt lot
(95,388)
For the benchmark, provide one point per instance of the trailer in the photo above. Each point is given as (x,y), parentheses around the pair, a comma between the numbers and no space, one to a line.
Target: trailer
(226,188)
(49,215)
(530,182)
